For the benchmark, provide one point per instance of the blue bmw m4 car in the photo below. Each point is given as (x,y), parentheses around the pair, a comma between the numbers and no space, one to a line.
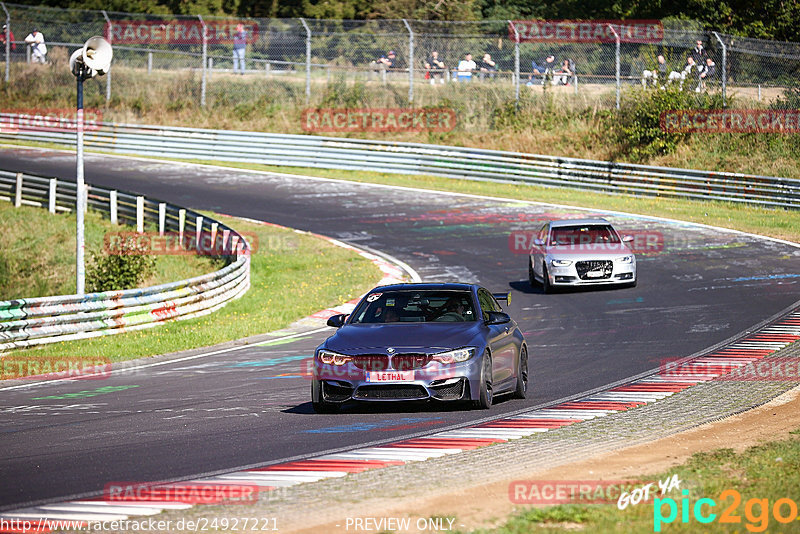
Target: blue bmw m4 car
(447,342)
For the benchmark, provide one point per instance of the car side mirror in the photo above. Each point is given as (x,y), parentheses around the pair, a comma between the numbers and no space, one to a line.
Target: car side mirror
(497,318)
(337,321)
(627,238)
(538,242)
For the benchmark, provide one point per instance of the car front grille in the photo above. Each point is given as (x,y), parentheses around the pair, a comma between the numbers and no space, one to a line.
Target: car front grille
(391,391)
(400,362)
(407,362)
(585,267)
(371,362)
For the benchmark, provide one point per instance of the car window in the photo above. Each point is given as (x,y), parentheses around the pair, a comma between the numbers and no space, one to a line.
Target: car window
(543,233)
(587,234)
(423,306)
(487,302)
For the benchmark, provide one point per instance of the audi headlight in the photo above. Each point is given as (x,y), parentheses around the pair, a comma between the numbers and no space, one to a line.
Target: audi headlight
(454,356)
(332,358)
(560,263)
(625,259)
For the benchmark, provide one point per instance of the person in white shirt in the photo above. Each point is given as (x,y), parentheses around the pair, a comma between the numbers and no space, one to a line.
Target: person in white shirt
(35,40)
(465,68)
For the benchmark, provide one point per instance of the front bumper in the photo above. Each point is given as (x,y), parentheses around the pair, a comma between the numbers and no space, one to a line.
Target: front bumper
(451,382)
(584,273)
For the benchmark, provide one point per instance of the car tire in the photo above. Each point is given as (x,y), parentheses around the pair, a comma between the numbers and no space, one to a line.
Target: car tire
(320,406)
(522,375)
(546,287)
(484,401)
(531,275)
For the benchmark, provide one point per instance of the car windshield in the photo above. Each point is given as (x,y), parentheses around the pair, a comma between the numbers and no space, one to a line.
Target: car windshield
(415,307)
(586,234)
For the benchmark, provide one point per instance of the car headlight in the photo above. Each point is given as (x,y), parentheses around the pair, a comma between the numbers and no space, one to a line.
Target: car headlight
(560,263)
(332,358)
(454,356)
(625,259)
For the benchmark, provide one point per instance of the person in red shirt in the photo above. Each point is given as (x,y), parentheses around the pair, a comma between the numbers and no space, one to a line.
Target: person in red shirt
(10,38)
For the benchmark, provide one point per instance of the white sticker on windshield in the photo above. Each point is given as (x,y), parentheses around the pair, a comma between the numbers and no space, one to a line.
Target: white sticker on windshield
(374,297)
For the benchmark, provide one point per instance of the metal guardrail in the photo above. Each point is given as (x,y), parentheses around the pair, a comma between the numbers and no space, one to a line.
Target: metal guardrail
(418,158)
(36,321)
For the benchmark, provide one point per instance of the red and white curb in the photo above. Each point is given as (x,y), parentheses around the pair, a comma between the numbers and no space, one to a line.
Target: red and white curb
(746,351)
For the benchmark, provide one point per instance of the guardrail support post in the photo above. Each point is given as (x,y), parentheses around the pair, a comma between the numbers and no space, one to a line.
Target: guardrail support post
(18,191)
(214,227)
(516,62)
(308,60)
(140,214)
(198,230)
(410,61)
(51,198)
(162,217)
(112,208)
(8,41)
(149,62)
(225,236)
(181,224)
(724,74)
(616,60)
(108,38)
(203,59)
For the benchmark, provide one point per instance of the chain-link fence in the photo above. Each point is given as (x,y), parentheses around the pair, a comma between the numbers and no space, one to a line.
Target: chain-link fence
(393,63)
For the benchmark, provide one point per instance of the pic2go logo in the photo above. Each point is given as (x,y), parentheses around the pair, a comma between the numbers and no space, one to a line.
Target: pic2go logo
(756,511)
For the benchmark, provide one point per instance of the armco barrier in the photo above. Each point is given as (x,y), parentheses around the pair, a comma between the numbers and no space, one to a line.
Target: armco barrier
(28,322)
(417,158)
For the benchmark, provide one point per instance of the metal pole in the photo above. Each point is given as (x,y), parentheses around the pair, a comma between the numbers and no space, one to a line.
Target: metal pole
(410,61)
(108,38)
(616,61)
(8,41)
(516,62)
(308,60)
(205,55)
(79,204)
(724,74)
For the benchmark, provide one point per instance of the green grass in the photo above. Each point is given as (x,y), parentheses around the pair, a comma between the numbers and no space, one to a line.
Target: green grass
(37,253)
(292,276)
(767,471)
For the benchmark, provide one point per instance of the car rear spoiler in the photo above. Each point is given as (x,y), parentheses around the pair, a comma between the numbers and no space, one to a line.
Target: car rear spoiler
(503,296)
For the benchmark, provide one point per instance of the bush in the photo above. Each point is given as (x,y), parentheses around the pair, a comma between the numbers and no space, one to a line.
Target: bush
(128,267)
(639,133)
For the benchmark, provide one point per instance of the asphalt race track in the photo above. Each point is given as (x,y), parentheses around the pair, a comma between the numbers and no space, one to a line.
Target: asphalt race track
(251,406)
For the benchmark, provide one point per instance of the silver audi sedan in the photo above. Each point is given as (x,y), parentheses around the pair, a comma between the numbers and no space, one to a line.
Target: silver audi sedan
(580,252)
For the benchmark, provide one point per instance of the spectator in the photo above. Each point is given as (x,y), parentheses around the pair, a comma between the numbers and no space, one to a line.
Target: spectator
(699,54)
(565,75)
(658,73)
(487,66)
(435,67)
(536,70)
(384,63)
(548,68)
(10,38)
(465,68)
(687,71)
(706,73)
(239,46)
(35,40)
